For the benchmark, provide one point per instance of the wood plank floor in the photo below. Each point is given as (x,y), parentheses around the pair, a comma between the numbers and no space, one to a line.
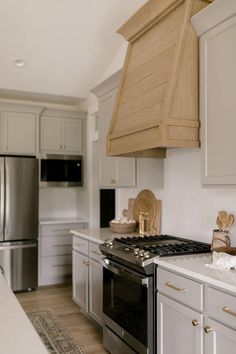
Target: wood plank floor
(59,300)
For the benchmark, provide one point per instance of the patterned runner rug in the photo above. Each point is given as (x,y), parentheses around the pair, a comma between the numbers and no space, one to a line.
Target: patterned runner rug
(55,337)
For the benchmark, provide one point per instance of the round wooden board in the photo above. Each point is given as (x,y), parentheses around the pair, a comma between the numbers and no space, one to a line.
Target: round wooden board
(146,202)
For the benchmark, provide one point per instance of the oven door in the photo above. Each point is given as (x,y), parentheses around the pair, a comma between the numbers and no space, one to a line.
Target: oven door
(128,306)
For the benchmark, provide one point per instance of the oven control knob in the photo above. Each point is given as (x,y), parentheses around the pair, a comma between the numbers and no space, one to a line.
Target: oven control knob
(141,253)
(147,254)
(136,250)
(109,242)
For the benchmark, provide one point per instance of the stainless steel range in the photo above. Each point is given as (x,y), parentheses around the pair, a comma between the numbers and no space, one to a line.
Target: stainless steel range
(128,288)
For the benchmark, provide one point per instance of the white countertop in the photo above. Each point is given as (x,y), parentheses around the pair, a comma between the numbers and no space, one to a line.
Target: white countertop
(194,267)
(17,334)
(98,235)
(95,235)
(48,221)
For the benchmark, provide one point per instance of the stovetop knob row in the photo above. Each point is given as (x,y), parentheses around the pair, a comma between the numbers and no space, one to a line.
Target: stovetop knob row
(109,242)
(147,254)
(141,253)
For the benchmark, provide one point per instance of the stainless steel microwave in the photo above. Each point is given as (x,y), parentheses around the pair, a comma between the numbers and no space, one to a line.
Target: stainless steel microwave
(61,171)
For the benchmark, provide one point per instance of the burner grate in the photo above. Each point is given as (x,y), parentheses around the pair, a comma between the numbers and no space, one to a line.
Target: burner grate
(164,245)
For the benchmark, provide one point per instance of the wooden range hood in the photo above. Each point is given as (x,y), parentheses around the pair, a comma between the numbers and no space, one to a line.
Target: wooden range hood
(157,100)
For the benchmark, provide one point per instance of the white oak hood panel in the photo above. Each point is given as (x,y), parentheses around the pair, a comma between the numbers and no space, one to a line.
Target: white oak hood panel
(157,101)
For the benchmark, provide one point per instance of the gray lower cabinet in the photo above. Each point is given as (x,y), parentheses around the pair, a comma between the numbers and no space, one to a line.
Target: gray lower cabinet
(87,277)
(80,279)
(220,339)
(176,333)
(193,317)
(55,252)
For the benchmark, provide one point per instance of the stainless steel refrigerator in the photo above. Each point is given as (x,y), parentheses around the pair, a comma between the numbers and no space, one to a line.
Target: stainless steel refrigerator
(19,221)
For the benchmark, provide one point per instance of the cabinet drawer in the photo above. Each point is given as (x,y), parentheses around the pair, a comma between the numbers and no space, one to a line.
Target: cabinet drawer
(81,245)
(94,251)
(221,306)
(53,246)
(59,229)
(180,288)
(57,266)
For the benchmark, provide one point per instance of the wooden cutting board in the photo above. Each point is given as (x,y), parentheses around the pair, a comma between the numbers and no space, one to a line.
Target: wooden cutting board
(146,202)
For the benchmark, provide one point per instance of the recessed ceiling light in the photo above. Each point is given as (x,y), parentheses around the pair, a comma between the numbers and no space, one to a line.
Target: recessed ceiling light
(19,62)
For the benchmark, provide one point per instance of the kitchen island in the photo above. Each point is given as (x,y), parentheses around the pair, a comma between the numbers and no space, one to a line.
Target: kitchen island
(17,334)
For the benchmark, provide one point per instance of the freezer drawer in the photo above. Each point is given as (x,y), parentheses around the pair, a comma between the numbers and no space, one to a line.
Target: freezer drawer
(19,261)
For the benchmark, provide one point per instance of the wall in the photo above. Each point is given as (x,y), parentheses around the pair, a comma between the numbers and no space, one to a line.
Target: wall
(189,210)
(116,63)
(58,202)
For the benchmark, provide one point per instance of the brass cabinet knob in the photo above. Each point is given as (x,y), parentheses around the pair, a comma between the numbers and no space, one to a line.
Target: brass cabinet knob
(195,323)
(208,329)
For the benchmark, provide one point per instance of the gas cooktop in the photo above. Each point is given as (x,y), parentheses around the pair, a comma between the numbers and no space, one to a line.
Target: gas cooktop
(137,250)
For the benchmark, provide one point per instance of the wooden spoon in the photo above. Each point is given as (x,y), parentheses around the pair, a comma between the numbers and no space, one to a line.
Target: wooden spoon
(219,223)
(223,217)
(229,223)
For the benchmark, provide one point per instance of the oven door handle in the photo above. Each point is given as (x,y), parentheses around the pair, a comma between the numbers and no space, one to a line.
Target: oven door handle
(144,281)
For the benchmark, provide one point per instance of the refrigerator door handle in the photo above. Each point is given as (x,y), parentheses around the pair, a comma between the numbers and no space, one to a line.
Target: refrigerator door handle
(15,247)
(2,197)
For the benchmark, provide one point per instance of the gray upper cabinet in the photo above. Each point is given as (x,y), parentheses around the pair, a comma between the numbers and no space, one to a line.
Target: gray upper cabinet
(19,133)
(62,131)
(216,26)
(113,171)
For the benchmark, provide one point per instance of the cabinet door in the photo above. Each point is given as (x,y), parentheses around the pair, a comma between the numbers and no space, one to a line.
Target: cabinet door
(220,339)
(51,134)
(113,171)
(107,165)
(175,332)
(80,280)
(72,138)
(218,103)
(95,290)
(19,133)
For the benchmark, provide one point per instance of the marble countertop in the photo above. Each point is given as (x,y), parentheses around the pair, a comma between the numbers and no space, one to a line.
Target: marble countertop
(98,235)
(48,221)
(194,267)
(95,235)
(17,334)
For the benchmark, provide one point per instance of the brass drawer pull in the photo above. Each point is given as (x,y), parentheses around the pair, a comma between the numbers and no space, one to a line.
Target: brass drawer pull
(208,329)
(195,323)
(113,181)
(85,263)
(172,286)
(230,312)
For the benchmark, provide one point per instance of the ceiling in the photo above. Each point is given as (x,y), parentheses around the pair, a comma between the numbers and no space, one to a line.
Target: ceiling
(66,44)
